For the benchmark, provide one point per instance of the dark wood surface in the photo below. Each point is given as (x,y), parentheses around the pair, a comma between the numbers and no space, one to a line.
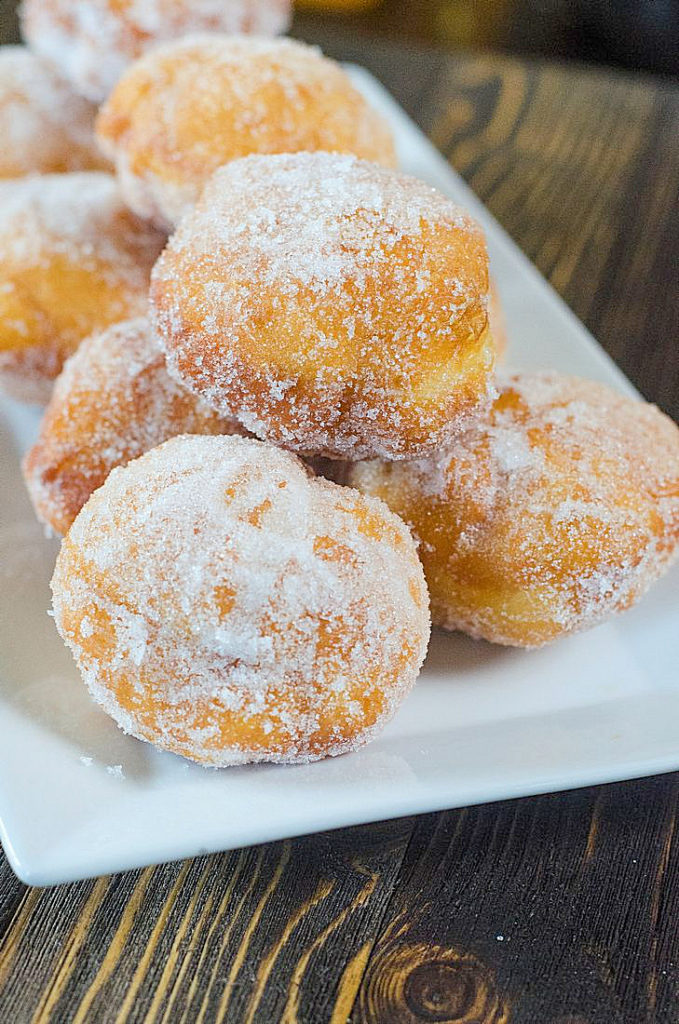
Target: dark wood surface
(560,909)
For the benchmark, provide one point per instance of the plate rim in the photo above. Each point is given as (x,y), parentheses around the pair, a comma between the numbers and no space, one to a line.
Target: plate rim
(41,869)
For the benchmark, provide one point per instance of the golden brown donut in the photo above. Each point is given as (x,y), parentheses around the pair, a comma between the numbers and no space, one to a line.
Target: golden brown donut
(113,401)
(223,604)
(189,107)
(91,42)
(559,509)
(496,320)
(73,260)
(334,307)
(44,126)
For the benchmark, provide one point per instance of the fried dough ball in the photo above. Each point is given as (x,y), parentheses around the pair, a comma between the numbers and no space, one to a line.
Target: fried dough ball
(113,401)
(92,42)
(191,106)
(44,127)
(559,509)
(334,307)
(223,604)
(496,320)
(73,260)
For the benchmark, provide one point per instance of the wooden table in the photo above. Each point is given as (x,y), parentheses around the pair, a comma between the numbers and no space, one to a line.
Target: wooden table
(554,910)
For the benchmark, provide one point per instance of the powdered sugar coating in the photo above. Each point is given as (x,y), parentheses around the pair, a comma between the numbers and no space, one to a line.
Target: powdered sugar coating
(224,604)
(73,259)
(334,307)
(113,401)
(193,105)
(559,509)
(92,42)
(45,127)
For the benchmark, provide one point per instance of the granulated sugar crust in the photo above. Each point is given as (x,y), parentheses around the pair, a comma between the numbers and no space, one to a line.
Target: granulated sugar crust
(195,104)
(78,216)
(45,127)
(113,401)
(73,260)
(93,41)
(335,307)
(224,604)
(558,510)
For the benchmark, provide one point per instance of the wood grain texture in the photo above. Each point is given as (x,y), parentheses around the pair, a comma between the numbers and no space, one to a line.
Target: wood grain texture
(544,910)
(269,933)
(554,910)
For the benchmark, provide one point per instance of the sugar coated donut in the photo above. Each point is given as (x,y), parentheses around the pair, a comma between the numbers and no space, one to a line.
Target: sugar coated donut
(559,509)
(223,604)
(193,105)
(113,401)
(44,126)
(334,307)
(72,260)
(91,42)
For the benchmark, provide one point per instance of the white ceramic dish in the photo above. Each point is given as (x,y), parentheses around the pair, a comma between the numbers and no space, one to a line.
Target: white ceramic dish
(78,798)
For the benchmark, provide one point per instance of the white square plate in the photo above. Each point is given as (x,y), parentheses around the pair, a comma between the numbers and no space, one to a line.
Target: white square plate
(78,798)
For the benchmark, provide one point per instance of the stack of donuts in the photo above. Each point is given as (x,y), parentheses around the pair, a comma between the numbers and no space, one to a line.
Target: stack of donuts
(276,440)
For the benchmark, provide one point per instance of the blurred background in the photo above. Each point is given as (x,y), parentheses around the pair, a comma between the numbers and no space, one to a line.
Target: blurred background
(637,34)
